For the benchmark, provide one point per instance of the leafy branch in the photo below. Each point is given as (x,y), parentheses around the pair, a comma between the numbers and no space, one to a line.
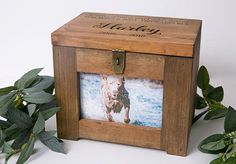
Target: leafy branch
(25,107)
(210,102)
(222,144)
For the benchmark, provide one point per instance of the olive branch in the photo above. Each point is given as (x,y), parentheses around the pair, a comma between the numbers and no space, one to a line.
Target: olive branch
(25,107)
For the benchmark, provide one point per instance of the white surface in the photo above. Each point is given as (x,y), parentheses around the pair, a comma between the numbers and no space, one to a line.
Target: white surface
(25,43)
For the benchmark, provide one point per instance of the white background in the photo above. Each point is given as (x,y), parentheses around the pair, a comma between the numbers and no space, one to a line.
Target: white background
(25,27)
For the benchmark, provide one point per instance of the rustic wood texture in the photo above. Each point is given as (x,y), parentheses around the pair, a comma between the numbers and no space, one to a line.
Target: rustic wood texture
(170,54)
(196,57)
(178,109)
(136,65)
(120,133)
(66,92)
(131,33)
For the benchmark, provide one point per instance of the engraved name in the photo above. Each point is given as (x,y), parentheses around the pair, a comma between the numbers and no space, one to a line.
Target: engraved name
(146,29)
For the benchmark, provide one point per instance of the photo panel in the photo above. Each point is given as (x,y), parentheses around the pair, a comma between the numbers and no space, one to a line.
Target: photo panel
(121,99)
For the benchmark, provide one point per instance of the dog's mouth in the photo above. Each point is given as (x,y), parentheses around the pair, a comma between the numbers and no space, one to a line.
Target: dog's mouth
(114,98)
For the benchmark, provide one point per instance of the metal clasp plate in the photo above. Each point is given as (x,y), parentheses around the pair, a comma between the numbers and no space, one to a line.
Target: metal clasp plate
(118,61)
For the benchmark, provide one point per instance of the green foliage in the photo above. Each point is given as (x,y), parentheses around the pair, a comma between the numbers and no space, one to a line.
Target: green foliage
(203,78)
(39,124)
(215,114)
(216,94)
(211,98)
(38,97)
(26,106)
(230,121)
(222,143)
(51,142)
(210,103)
(213,144)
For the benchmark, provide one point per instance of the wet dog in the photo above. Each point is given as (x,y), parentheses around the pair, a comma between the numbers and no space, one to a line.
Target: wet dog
(115,97)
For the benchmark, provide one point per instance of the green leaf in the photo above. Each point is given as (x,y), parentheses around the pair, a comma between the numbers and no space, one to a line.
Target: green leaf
(51,142)
(27,150)
(197,117)
(50,89)
(217,161)
(7,148)
(45,135)
(209,145)
(230,120)
(39,125)
(210,88)
(8,156)
(4,124)
(27,79)
(231,160)
(215,114)
(9,131)
(44,83)
(50,112)
(21,119)
(48,105)
(21,139)
(216,94)
(6,90)
(200,103)
(203,78)
(215,145)
(31,109)
(38,97)
(7,134)
(6,101)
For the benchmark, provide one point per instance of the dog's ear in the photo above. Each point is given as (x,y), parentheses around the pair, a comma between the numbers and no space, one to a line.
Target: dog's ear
(104,77)
(123,79)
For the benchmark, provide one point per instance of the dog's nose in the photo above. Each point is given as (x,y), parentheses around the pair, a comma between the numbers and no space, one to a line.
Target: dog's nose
(115,93)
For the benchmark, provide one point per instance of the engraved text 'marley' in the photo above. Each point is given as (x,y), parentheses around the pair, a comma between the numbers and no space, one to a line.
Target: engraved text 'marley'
(149,31)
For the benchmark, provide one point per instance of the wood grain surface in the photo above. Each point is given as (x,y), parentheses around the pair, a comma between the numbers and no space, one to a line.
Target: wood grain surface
(120,133)
(136,65)
(66,86)
(156,48)
(176,37)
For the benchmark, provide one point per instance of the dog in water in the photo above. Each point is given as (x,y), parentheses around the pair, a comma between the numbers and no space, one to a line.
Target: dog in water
(115,97)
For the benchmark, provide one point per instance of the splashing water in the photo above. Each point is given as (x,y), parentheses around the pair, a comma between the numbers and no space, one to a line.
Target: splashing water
(146,97)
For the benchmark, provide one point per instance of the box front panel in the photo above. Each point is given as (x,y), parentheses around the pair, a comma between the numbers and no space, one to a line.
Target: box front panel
(132,100)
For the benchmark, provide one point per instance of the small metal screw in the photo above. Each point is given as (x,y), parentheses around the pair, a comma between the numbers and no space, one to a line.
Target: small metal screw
(117,61)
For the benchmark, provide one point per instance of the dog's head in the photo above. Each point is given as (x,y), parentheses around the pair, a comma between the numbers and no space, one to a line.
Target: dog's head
(115,85)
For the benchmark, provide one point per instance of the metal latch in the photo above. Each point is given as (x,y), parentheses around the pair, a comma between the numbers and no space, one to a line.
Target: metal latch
(118,61)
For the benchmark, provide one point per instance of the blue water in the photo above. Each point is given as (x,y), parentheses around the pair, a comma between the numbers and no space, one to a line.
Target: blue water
(146,99)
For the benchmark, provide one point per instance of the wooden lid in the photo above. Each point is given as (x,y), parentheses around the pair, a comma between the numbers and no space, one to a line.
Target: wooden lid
(157,35)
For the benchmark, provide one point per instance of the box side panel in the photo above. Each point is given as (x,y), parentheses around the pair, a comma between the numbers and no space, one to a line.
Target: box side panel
(66,91)
(178,109)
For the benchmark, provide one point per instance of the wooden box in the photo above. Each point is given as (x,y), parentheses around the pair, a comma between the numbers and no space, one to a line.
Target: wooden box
(156,48)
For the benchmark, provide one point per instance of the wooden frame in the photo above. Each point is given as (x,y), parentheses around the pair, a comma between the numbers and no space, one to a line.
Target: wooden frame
(177,71)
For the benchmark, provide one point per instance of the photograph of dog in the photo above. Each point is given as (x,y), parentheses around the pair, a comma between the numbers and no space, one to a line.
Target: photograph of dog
(115,97)
(121,99)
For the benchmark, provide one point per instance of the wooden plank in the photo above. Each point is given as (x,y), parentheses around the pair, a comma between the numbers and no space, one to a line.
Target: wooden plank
(158,35)
(178,107)
(120,133)
(66,92)
(136,65)
(196,57)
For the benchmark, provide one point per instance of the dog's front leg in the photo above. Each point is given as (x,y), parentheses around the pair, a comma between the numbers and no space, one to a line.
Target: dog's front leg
(109,116)
(126,120)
